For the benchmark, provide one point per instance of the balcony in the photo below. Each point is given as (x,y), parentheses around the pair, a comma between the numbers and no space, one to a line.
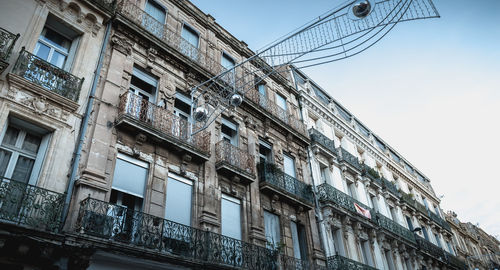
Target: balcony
(7,41)
(30,206)
(323,143)
(338,262)
(234,161)
(373,175)
(276,181)
(393,227)
(391,187)
(438,220)
(329,194)
(139,114)
(350,160)
(455,262)
(276,112)
(108,5)
(108,223)
(169,36)
(48,76)
(430,248)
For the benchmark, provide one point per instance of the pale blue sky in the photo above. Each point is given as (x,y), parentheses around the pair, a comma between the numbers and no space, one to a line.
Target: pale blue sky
(430,88)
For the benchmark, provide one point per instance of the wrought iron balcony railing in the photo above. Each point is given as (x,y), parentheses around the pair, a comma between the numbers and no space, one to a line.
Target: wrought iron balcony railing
(163,121)
(275,177)
(147,232)
(48,76)
(108,5)
(169,36)
(7,41)
(338,262)
(455,262)
(327,193)
(319,138)
(430,248)
(372,174)
(434,217)
(349,158)
(292,263)
(391,187)
(395,228)
(281,114)
(235,157)
(31,206)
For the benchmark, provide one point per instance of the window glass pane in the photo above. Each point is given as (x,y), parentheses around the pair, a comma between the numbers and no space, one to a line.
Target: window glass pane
(289,165)
(42,51)
(296,242)
(156,11)
(57,39)
(10,137)
(129,178)
(4,161)
(227,62)
(22,171)
(281,101)
(31,143)
(344,114)
(320,94)
(272,227)
(178,203)
(231,217)
(58,59)
(190,36)
(262,89)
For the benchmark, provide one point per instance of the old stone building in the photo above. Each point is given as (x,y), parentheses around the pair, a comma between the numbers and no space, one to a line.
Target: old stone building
(100,169)
(377,210)
(473,245)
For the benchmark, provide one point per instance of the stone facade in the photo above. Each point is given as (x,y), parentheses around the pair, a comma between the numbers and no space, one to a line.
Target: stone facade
(101,170)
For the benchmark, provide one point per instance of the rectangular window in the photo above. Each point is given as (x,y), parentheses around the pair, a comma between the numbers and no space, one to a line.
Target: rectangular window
(272,227)
(366,252)
(363,130)
(450,249)
(320,94)
(424,232)
(155,20)
(420,178)
(424,200)
(229,131)
(130,177)
(394,215)
(182,112)
(338,241)
(231,217)
(436,210)
(299,241)
(142,95)
(380,144)
(395,157)
(22,151)
(325,174)
(227,61)
(351,188)
(409,223)
(265,152)
(56,44)
(189,42)
(438,241)
(289,165)
(281,102)
(261,88)
(373,200)
(179,199)
(388,258)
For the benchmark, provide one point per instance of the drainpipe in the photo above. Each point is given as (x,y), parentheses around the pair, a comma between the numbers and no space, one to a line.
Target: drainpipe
(83,127)
(317,209)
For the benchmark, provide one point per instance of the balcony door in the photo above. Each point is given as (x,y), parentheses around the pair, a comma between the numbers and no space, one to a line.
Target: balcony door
(289,170)
(142,95)
(189,42)
(231,217)
(179,199)
(272,227)
(299,241)
(154,21)
(182,111)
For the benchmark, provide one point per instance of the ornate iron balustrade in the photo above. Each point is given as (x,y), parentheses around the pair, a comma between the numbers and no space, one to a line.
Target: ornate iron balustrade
(168,36)
(119,224)
(239,159)
(372,174)
(439,220)
(338,262)
(327,193)
(48,76)
(269,173)
(7,41)
(391,187)
(395,228)
(319,138)
(292,263)
(349,158)
(278,112)
(163,121)
(28,205)
(430,248)
(455,262)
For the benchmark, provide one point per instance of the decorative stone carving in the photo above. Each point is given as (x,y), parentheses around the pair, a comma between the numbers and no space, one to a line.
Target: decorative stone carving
(122,44)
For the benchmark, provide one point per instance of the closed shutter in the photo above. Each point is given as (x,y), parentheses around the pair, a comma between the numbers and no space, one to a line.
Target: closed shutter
(231,217)
(130,175)
(179,198)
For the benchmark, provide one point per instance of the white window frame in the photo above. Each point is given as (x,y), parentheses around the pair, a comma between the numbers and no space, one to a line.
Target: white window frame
(233,126)
(188,27)
(280,98)
(25,127)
